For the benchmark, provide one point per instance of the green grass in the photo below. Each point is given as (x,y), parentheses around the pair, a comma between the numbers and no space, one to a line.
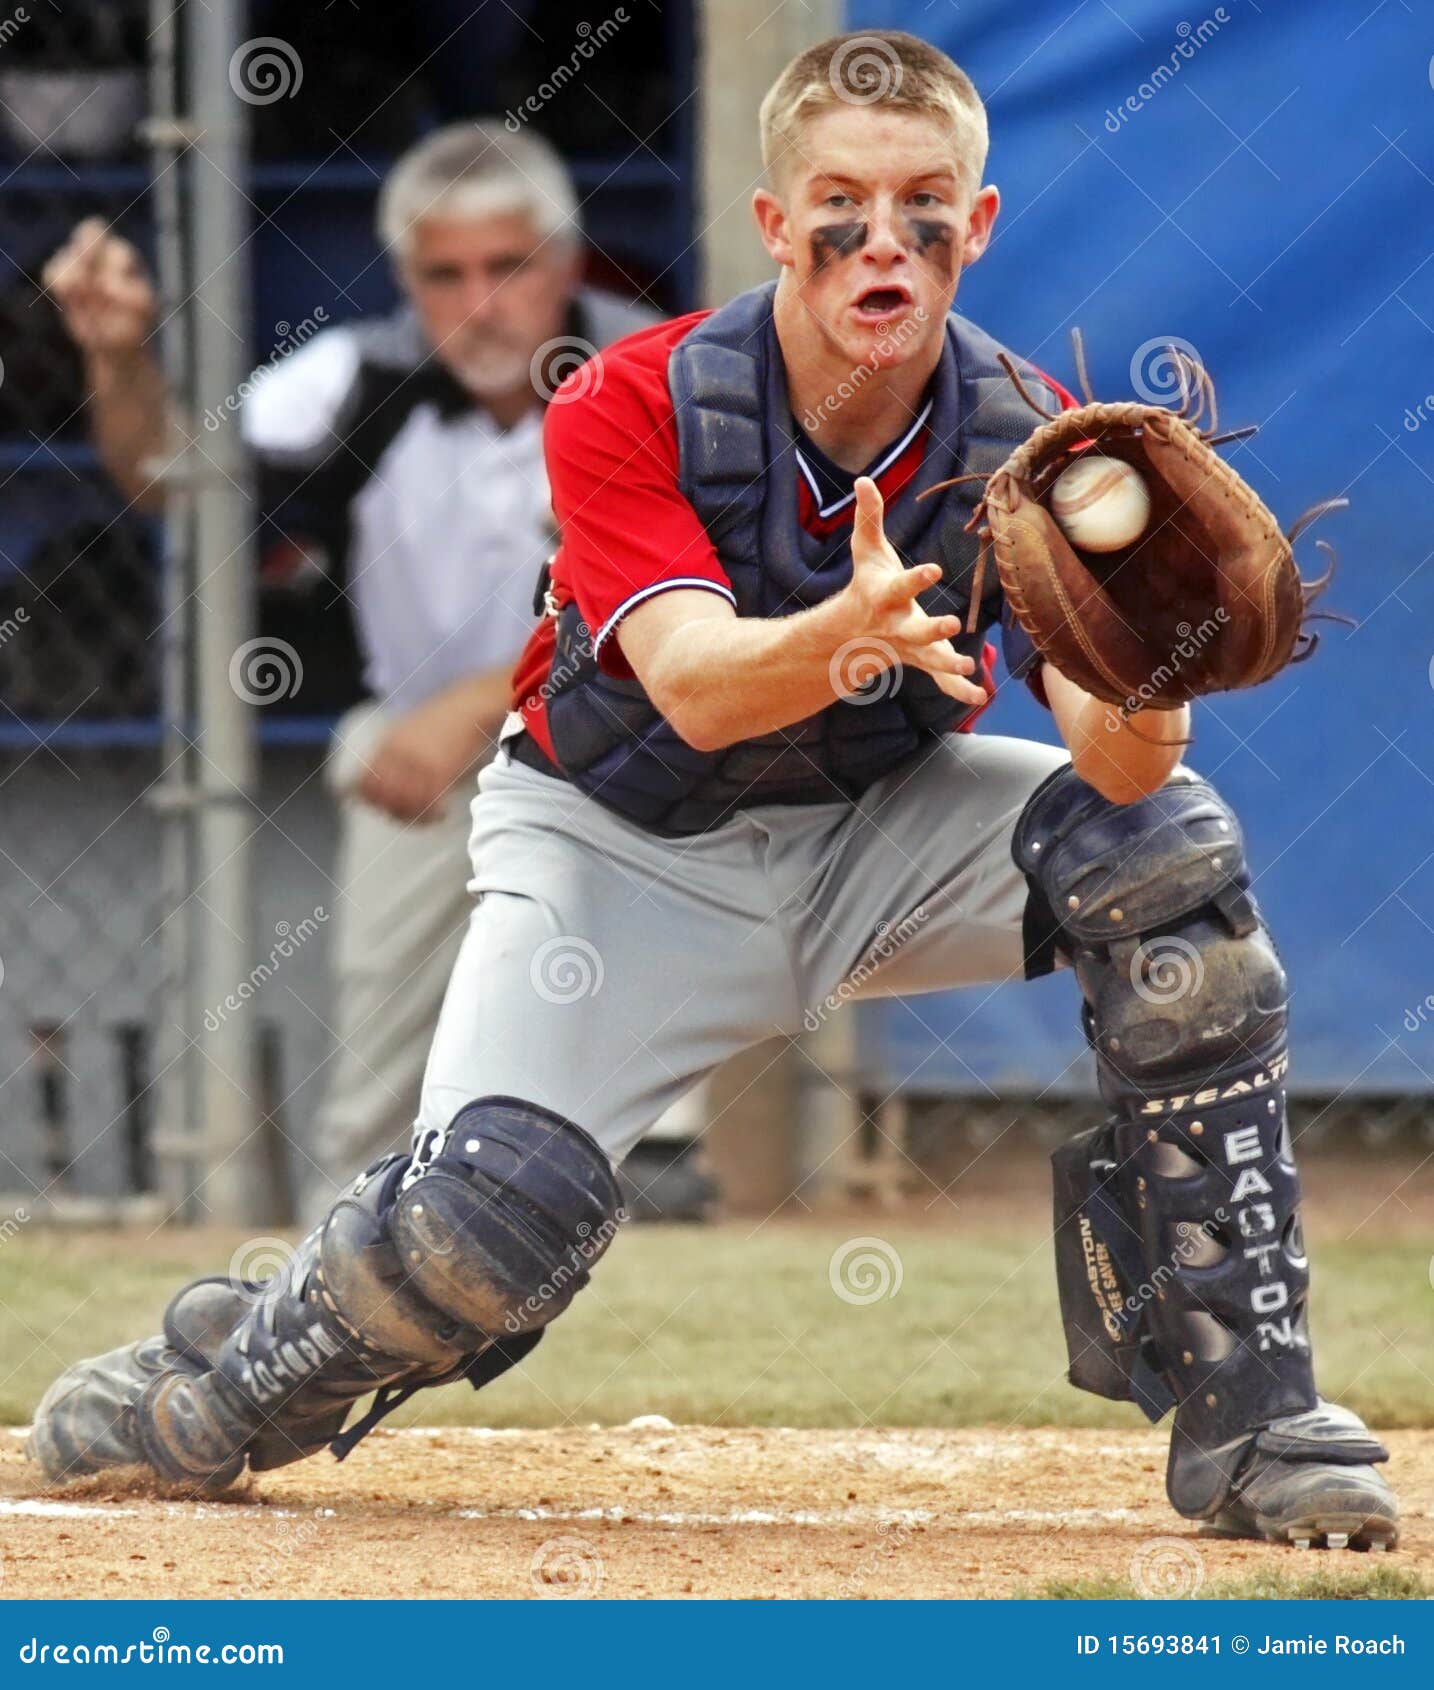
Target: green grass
(1340,1582)
(732,1326)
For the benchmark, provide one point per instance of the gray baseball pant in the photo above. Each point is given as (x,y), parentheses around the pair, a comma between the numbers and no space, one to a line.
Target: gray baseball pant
(606,969)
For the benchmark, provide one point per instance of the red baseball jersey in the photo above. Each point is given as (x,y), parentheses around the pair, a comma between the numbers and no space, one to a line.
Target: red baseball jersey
(627,532)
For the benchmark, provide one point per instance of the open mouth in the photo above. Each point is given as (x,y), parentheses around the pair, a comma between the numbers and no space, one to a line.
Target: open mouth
(877,304)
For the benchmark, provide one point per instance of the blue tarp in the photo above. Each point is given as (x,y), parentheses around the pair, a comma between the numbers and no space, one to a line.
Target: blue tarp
(1260,183)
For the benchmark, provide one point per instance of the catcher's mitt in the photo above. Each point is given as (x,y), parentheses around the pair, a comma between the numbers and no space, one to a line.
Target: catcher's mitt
(1207,599)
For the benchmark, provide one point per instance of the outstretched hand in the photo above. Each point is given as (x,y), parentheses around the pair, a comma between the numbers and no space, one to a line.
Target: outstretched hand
(884,603)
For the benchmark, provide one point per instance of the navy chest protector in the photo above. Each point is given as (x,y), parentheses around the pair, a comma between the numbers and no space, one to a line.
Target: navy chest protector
(738,471)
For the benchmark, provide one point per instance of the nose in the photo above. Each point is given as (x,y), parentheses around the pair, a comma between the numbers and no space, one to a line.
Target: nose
(478,298)
(886,236)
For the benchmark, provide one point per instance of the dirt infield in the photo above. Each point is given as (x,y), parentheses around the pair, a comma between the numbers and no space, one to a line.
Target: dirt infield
(653,1510)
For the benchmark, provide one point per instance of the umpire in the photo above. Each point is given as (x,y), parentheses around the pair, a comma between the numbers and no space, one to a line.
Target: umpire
(400,467)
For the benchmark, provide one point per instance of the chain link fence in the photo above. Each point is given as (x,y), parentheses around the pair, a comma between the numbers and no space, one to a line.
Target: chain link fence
(132,847)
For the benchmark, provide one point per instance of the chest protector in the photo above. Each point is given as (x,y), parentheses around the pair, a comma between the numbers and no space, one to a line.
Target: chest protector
(737,468)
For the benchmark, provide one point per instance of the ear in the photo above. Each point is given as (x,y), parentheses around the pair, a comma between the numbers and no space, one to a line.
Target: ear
(984,210)
(772,226)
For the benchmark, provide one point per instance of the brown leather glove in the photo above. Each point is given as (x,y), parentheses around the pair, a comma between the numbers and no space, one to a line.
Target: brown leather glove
(1207,599)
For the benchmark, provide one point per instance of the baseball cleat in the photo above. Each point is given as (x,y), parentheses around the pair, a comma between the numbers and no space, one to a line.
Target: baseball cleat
(1312,1504)
(85,1423)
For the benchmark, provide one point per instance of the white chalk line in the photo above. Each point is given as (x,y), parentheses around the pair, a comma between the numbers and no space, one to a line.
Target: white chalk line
(868,1518)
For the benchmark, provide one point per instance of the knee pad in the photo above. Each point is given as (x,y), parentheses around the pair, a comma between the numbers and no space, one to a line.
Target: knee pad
(364,1280)
(1150,902)
(504,1221)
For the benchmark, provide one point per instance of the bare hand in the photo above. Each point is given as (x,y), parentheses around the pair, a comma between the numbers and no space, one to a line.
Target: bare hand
(103,291)
(891,625)
(421,758)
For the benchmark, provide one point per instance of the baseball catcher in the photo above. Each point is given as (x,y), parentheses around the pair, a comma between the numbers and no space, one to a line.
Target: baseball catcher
(740,753)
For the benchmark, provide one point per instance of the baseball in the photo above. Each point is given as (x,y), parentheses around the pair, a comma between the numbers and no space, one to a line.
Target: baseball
(1100,504)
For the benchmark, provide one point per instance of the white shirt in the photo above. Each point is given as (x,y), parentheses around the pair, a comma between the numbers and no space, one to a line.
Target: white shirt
(447,530)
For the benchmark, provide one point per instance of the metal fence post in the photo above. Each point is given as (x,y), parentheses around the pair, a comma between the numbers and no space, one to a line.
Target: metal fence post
(223,603)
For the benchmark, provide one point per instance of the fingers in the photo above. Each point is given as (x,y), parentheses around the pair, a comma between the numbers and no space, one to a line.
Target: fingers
(938,657)
(957,686)
(867,534)
(75,262)
(96,267)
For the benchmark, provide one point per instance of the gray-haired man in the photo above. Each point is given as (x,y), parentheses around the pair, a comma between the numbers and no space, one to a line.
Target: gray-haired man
(406,455)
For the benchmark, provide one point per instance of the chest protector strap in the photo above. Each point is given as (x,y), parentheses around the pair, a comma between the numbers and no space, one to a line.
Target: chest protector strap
(737,468)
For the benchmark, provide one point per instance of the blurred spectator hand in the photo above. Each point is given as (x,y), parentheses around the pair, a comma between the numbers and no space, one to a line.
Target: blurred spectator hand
(423,756)
(103,291)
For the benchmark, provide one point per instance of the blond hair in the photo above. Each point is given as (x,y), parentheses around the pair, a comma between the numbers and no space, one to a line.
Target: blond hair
(884,68)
